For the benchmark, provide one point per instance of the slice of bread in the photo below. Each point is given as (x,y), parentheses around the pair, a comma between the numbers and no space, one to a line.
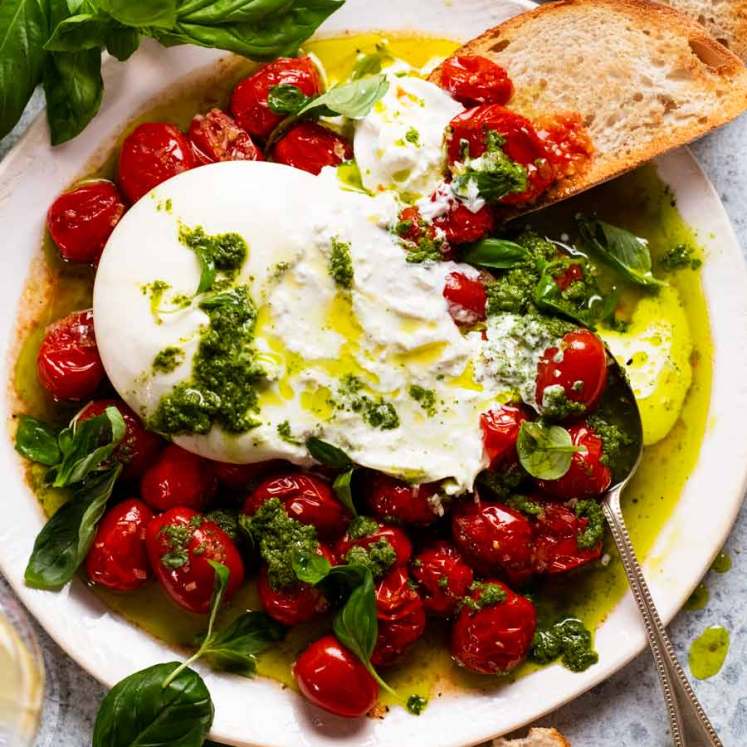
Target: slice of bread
(645,78)
(535,738)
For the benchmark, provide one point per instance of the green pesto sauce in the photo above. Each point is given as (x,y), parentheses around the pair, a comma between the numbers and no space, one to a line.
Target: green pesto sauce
(426,398)
(722,563)
(227,520)
(614,439)
(224,252)
(168,359)
(556,405)
(708,651)
(594,531)
(416,704)
(378,557)
(378,413)
(284,431)
(341,264)
(484,595)
(698,599)
(680,257)
(568,640)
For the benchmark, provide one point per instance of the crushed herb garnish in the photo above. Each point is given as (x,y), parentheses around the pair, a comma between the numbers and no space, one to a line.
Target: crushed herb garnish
(168,359)
(341,264)
(568,640)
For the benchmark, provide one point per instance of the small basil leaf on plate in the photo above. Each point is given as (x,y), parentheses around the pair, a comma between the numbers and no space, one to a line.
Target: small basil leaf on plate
(311,568)
(327,454)
(343,490)
(545,451)
(354,99)
(159,13)
(286,99)
(500,254)
(37,441)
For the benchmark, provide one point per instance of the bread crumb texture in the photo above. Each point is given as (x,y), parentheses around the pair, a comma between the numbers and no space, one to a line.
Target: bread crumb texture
(535,738)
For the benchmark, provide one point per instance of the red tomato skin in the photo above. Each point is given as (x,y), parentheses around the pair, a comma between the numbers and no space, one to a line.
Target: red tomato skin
(239,476)
(178,478)
(466,297)
(68,363)
(334,679)
(306,498)
(217,137)
(493,538)
(462,226)
(500,429)
(556,547)
(472,80)
(191,584)
(567,142)
(390,499)
(311,147)
(80,221)
(582,358)
(496,638)
(587,477)
(399,541)
(151,154)
(572,274)
(249,99)
(441,560)
(118,559)
(139,447)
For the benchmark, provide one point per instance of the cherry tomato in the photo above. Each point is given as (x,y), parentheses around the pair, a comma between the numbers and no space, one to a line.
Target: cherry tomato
(178,478)
(556,547)
(311,147)
(249,100)
(333,678)
(118,559)
(443,576)
(462,226)
(394,500)
(472,79)
(466,297)
(496,638)
(567,142)
(579,366)
(151,154)
(180,542)
(399,541)
(68,363)
(217,137)
(138,448)
(587,477)
(493,538)
(238,476)
(500,429)
(80,221)
(306,498)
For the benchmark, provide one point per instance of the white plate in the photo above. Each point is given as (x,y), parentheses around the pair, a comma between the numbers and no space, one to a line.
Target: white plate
(259,712)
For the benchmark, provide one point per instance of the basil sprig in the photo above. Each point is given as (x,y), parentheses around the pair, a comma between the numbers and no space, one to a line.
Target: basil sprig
(37,441)
(343,487)
(545,451)
(327,454)
(500,254)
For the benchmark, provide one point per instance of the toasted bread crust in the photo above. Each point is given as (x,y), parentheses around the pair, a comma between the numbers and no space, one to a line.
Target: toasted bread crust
(535,738)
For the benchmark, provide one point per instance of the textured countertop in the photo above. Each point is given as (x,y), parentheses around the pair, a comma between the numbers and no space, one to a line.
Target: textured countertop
(625,711)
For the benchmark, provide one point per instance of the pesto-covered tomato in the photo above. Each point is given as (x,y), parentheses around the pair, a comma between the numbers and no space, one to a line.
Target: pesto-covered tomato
(333,678)
(472,79)
(118,559)
(151,154)
(494,630)
(500,429)
(311,147)
(68,363)
(463,226)
(180,544)
(250,99)
(80,221)
(394,500)
(443,576)
(558,541)
(379,546)
(217,137)
(466,297)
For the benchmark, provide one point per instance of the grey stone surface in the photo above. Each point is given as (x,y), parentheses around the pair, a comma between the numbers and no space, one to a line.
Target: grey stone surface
(625,711)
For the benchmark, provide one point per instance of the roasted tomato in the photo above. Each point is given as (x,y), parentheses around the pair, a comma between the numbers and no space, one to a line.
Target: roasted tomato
(443,576)
(500,429)
(466,297)
(556,547)
(68,363)
(494,638)
(118,559)
(572,274)
(394,500)
(567,142)
(588,476)
(306,498)
(180,542)
(138,448)
(178,478)
(238,476)
(331,677)
(217,137)
(151,154)
(399,541)
(311,147)
(472,79)
(493,538)
(80,221)
(461,226)
(401,616)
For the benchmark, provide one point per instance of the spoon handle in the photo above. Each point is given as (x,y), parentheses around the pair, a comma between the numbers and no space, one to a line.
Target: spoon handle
(689,724)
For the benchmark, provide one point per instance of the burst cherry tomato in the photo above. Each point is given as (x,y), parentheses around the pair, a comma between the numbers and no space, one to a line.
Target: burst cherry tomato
(118,559)
(588,476)
(311,147)
(493,538)
(217,137)
(81,221)
(570,275)
(151,154)
(567,142)
(333,678)
(461,226)
(443,576)
(138,448)
(399,541)
(466,297)
(178,478)
(579,366)
(306,498)
(556,547)
(68,363)
(500,429)
(395,500)
(238,476)
(496,638)
(472,79)
(180,542)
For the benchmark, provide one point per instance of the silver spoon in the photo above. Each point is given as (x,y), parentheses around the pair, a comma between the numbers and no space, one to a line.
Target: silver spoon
(688,722)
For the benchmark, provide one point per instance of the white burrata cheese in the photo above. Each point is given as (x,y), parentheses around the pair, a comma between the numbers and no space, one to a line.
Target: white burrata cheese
(390,335)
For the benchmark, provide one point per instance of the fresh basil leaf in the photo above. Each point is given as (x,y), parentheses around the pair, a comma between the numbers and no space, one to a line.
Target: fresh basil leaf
(500,254)
(139,710)
(156,13)
(328,455)
(207,268)
(491,185)
(622,249)
(353,100)
(215,12)
(286,99)
(37,441)
(65,539)
(545,451)
(122,42)
(311,568)
(79,32)
(343,490)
